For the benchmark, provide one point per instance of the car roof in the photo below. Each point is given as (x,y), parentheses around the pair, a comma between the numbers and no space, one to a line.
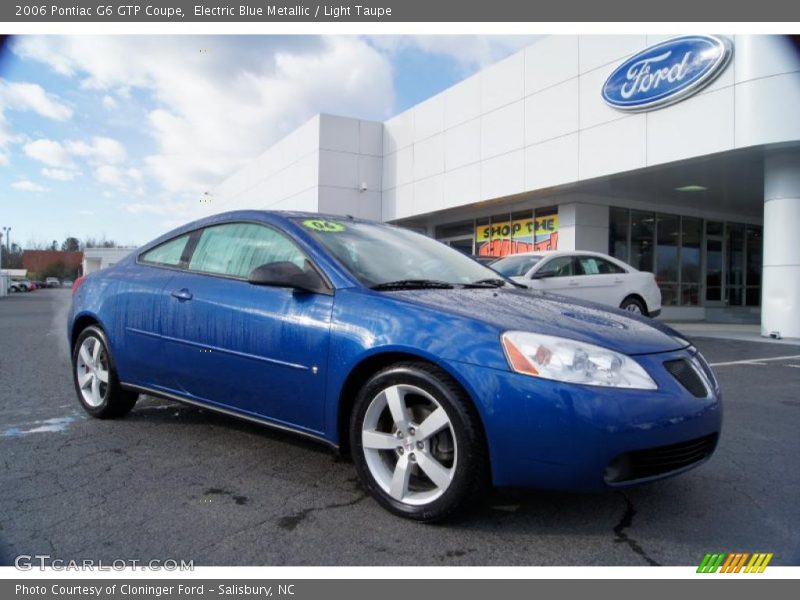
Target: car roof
(548,253)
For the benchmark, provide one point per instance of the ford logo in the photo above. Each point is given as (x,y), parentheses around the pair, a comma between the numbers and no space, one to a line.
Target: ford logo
(666,73)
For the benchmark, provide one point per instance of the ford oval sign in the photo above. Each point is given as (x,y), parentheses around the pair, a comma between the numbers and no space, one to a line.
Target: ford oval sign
(666,73)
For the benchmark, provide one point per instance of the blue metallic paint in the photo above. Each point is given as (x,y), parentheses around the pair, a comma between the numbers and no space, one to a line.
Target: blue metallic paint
(221,353)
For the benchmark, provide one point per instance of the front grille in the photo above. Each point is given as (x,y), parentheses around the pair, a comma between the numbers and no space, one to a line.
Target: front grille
(682,370)
(641,464)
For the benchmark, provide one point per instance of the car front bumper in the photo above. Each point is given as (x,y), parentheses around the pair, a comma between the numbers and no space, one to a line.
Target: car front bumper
(550,435)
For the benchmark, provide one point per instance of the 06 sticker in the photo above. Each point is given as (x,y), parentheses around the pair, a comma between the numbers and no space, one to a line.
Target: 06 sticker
(324,226)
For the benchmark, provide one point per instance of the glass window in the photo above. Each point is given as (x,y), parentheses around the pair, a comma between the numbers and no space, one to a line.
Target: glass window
(561,266)
(377,254)
(522,231)
(235,249)
(455,230)
(642,238)
(667,235)
(168,254)
(735,264)
(715,228)
(754,244)
(618,233)
(545,229)
(691,238)
(515,266)
(593,265)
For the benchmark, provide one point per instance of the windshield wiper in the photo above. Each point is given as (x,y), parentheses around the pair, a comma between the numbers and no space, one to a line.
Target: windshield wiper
(490,283)
(410,284)
(495,282)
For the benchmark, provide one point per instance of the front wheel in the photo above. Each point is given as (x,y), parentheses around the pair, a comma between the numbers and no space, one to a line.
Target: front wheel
(417,442)
(95,377)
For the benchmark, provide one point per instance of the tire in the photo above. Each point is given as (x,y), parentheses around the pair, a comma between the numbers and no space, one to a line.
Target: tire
(634,305)
(445,464)
(91,363)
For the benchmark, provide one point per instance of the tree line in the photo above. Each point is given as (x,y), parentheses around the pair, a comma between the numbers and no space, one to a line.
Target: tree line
(12,256)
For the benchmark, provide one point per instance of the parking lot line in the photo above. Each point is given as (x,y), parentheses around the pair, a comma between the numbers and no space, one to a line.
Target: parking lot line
(755,361)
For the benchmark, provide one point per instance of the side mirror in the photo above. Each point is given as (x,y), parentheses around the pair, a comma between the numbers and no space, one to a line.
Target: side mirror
(286,274)
(543,275)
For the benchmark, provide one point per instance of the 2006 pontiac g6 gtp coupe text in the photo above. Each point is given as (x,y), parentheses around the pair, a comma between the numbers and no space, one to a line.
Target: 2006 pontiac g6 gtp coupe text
(437,375)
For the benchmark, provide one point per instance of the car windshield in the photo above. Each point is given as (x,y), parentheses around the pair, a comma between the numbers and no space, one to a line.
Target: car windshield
(515,266)
(379,254)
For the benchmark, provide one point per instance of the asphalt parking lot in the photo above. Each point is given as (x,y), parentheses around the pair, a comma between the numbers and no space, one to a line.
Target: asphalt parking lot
(173,482)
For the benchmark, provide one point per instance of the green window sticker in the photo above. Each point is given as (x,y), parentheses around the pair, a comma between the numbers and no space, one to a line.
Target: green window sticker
(323,226)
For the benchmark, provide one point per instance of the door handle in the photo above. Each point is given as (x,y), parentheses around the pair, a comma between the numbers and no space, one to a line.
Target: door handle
(618,281)
(182,294)
(573,283)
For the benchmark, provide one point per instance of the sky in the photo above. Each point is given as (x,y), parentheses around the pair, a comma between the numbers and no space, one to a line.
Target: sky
(117,137)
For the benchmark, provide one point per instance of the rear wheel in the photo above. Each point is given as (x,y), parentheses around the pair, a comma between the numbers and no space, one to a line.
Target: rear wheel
(634,305)
(417,443)
(95,377)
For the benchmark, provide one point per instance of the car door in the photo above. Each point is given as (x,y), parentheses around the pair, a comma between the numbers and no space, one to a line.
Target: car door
(256,349)
(557,275)
(600,280)
(136,337)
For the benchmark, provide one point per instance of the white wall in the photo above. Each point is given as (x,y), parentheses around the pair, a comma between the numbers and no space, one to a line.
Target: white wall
(350,173)
(319,167)
(284,177)
(95,259)
(537,119)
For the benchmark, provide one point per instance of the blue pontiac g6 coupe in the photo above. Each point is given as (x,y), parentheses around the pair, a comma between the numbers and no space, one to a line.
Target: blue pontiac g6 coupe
(436,375)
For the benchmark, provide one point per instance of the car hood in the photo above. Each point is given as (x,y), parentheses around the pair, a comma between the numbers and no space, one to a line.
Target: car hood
(550,314)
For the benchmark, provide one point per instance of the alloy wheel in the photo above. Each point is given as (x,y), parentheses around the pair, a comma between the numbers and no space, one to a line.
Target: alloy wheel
(409,444)
(92,371)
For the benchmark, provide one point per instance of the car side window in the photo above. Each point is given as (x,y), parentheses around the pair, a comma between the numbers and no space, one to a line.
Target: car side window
(611,267)
(167,254)
(593,265)
(235,249)
(561,266)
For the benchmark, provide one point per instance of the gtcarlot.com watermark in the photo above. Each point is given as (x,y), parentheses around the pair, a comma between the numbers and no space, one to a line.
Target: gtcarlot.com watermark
(29,562)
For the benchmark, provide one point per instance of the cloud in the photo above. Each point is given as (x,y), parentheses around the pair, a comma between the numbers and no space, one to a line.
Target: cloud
(129,179)
(98,150)
(23,96)
(472,52)
(32,97)
(105,154)
(59,174)
(208,113)
(24,185)
(49,152)
(108,102)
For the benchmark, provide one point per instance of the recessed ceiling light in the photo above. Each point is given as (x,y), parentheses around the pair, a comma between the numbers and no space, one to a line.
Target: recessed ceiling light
(691,188)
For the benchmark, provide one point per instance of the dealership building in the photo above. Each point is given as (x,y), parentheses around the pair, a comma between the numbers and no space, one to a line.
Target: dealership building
(680,156)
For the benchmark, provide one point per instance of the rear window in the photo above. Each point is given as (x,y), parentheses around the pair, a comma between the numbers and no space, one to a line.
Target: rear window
(168,254)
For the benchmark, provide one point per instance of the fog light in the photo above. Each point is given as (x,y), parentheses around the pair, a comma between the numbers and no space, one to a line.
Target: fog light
(618,469)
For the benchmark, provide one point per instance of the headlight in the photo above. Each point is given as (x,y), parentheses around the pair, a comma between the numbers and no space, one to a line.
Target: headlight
(573,362)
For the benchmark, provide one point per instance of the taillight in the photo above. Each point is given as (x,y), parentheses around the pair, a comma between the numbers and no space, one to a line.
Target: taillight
(77,284)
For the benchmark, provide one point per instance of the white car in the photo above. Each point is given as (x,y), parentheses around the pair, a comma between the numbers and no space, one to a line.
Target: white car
(586,275)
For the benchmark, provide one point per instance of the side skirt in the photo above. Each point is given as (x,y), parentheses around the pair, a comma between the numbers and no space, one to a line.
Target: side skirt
(228,412)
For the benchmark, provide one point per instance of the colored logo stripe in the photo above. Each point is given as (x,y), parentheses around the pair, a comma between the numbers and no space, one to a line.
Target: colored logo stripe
(734,562)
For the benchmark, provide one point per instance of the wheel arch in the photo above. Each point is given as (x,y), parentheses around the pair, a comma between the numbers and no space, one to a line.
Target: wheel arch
(370,365)
(640,298)
(81,322)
